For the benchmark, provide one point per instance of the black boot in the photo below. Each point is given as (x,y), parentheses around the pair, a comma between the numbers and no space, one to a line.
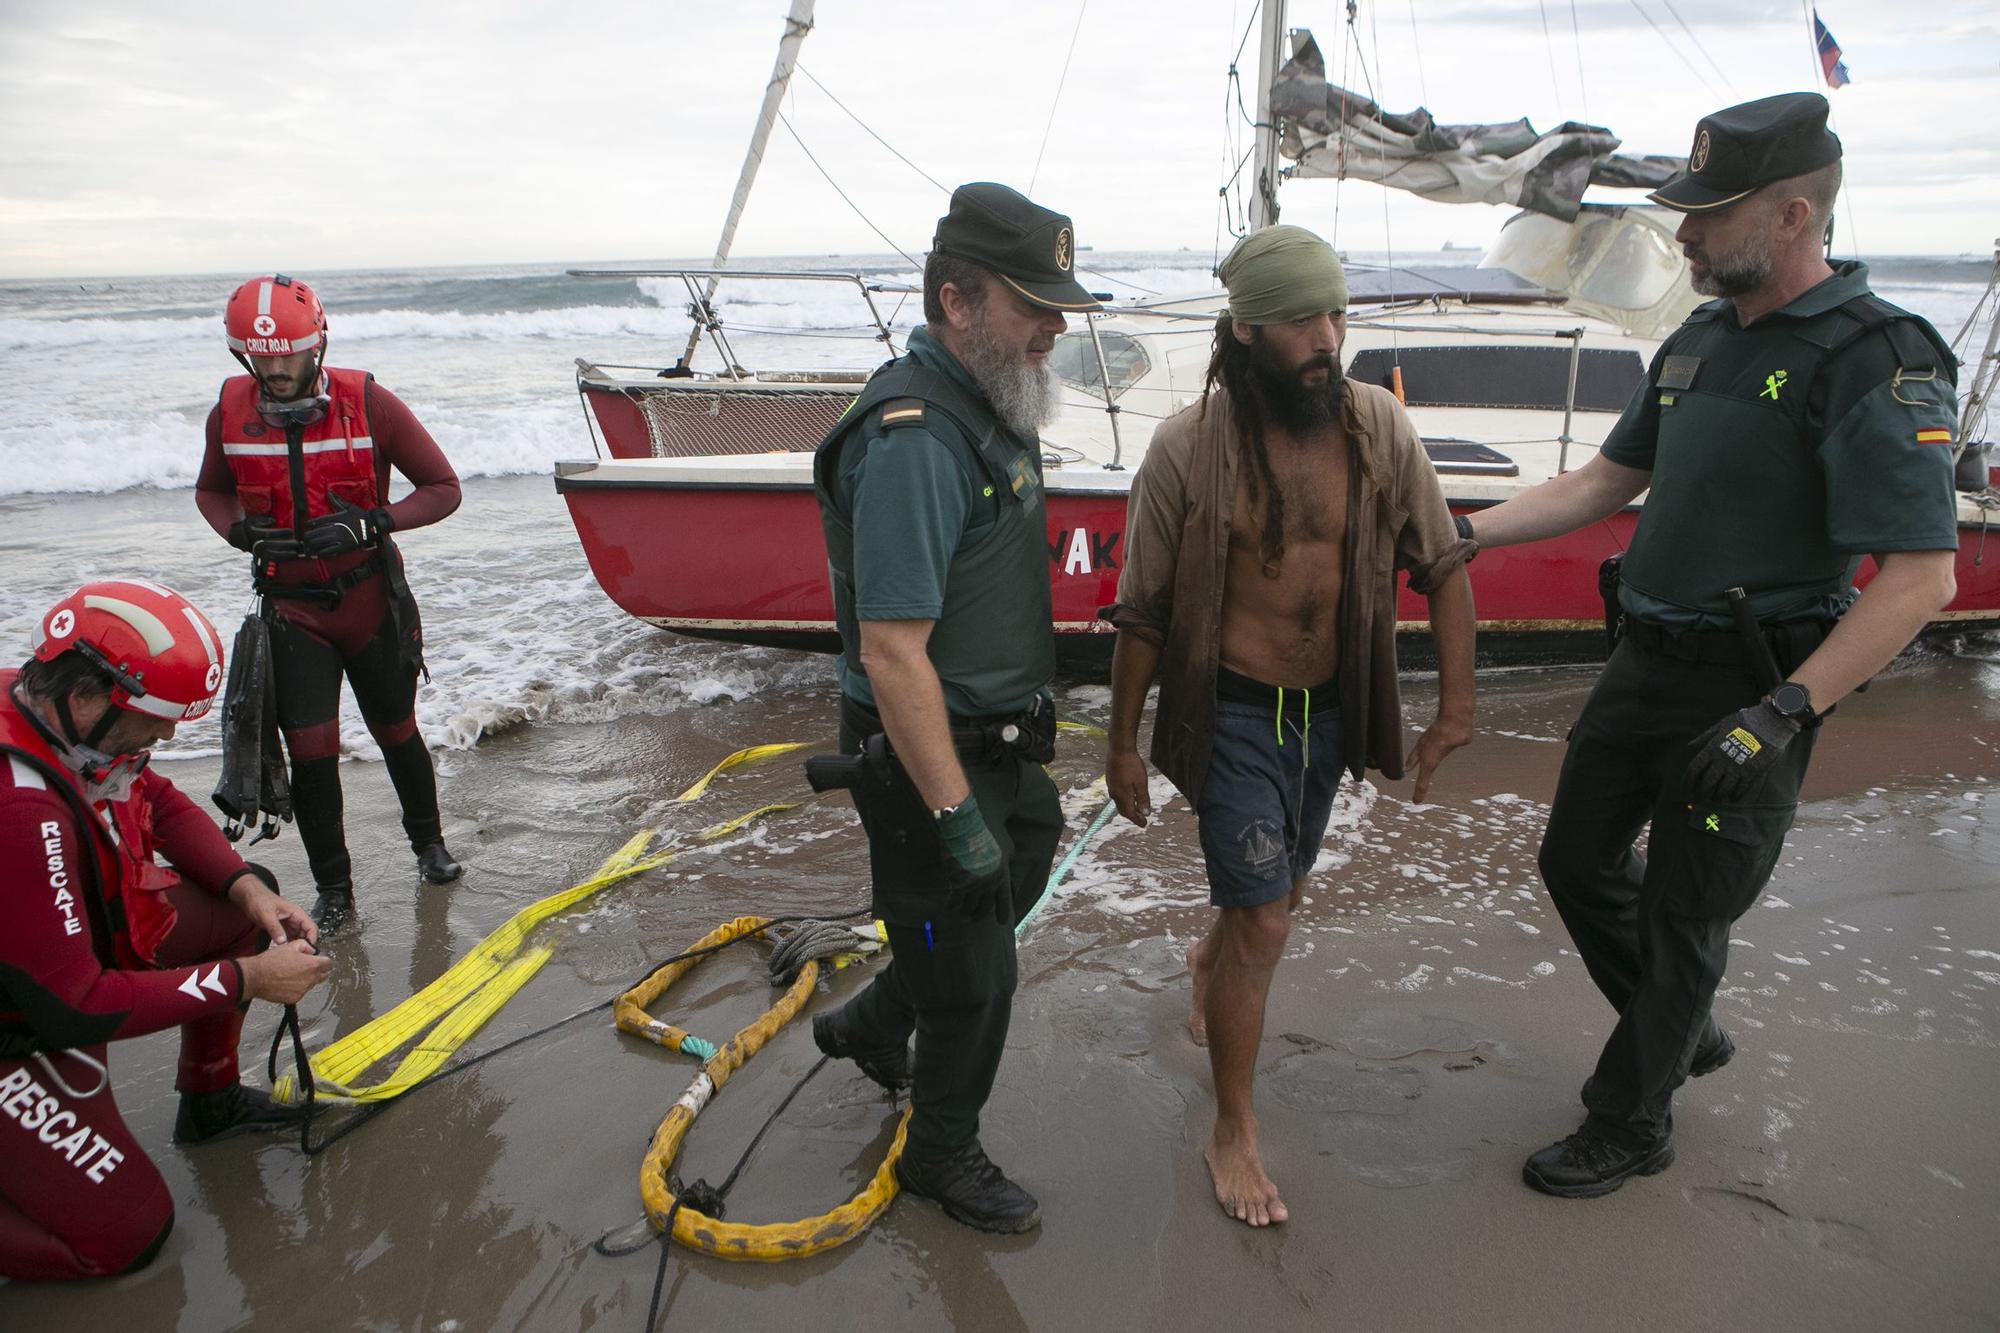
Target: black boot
(434,863)
(887,1065)
(333,906)
(1586,1165)
(970,1189)
(1708,1059)
(205,1116)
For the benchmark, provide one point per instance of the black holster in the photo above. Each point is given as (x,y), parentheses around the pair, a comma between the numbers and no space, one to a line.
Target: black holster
(1608,575)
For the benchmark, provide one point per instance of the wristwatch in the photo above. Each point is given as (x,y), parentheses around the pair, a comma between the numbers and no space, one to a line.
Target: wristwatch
(1793,702)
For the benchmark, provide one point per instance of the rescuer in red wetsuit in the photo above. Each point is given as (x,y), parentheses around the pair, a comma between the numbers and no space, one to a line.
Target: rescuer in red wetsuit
(297,473)
(98,941)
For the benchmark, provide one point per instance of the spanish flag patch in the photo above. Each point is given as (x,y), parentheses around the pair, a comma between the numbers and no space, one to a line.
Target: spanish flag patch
(1934,435)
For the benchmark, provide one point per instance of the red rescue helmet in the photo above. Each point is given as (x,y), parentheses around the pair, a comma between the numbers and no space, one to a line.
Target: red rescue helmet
(162,654)
(273,316)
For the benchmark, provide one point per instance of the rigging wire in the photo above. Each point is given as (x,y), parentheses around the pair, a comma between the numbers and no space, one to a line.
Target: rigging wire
(786,121)
(1423,86)
(1698,46)
(934,180)
(1549,43)
(870,131)
(1582,86)
(1679,54)
(1047,129)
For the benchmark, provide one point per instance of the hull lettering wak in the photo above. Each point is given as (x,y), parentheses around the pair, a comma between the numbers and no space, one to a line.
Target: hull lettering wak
(1084,551)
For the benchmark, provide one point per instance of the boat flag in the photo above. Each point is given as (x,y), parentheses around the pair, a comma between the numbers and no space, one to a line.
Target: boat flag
(1829,55)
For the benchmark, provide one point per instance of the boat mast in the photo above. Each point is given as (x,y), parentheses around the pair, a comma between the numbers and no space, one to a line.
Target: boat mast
(1270,59)
(797,24)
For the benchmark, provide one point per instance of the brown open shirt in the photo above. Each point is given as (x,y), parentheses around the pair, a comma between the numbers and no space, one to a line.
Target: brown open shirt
(1177,551)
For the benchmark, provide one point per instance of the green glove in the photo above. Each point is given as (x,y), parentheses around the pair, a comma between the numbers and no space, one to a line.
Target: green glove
(975,870)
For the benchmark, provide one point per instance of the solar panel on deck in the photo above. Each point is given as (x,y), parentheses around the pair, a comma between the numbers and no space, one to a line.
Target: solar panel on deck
(1470,458)
(1504,375)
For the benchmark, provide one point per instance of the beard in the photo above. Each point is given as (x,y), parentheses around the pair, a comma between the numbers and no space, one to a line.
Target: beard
(1023,397)
(1735,273)
(1301,408)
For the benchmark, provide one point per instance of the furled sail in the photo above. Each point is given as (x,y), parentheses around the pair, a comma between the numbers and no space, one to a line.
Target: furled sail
(1330,131)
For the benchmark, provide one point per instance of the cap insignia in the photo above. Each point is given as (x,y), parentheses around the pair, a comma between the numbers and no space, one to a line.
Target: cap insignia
(1699,157)
(1065,244)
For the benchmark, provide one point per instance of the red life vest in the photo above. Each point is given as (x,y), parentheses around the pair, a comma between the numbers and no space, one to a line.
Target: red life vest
(338,451)
(129,893)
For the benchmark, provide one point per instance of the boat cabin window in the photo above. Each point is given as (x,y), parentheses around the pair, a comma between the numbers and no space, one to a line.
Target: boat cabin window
(1634,271)
(1075,360)
(1610,256)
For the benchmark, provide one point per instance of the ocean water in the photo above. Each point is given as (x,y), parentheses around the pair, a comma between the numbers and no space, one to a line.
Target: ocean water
(105,384)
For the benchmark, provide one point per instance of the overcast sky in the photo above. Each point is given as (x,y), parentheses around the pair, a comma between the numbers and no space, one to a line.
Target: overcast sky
(141,136)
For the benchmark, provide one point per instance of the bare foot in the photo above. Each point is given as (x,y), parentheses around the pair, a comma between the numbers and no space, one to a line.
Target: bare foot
(1241,1186)
(1198,973)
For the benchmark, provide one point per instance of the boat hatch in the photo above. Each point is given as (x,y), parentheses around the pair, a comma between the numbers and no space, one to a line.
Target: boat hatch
(1469,458)
(1504,375)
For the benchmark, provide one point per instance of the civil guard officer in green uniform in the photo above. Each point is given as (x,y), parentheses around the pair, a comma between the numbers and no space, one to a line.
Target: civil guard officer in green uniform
(930,495)
(1786,430)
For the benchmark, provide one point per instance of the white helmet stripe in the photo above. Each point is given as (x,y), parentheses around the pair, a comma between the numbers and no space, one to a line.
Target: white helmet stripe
(151,628)
(150,586)
(208,644)
(263,298)
(158,707)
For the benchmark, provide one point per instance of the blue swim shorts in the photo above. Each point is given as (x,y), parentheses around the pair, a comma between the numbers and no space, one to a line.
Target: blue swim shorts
(1269,789)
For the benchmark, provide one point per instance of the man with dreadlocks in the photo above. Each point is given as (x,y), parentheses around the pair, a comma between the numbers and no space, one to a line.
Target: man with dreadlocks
(1263,537)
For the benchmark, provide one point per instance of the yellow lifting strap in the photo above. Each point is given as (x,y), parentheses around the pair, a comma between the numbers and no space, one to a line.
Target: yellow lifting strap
(767,1242)
(748,755)
(452,1008)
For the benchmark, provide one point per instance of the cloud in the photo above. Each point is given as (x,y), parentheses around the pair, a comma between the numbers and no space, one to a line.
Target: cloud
(229,135)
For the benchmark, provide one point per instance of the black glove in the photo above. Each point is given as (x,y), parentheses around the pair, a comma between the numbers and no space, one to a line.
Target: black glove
(246,532)
(260,535)
(348,528)
(1733,757)
(975,870)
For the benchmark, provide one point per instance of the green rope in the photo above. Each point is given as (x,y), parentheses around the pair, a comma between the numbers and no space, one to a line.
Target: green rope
(1068,863)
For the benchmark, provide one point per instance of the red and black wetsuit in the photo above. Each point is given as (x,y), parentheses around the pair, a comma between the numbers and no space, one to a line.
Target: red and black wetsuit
(256,468)
(78,1197)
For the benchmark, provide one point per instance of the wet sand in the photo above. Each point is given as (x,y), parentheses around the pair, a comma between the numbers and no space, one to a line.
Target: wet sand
(1429,1027)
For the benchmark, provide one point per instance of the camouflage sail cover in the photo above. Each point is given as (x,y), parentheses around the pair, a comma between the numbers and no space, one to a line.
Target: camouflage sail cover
(1330,131)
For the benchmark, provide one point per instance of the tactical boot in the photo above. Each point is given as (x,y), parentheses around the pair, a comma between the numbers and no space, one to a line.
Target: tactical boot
(434,863)
(970,1189)
(887,1065)
(1708,1059)
(333,906)
(205,1116)
(1586,1165)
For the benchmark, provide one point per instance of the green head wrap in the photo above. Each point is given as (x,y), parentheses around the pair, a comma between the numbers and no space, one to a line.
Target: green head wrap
(1282,273)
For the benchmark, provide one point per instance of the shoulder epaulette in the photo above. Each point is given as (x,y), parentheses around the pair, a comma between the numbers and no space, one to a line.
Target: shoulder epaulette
(902,412)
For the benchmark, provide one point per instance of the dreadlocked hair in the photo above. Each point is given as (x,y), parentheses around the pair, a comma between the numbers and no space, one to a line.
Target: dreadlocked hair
(1229,366)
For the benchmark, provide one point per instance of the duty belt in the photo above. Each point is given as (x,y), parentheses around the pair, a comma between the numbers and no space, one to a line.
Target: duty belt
(1030,734)
(1791,644)
(327,594)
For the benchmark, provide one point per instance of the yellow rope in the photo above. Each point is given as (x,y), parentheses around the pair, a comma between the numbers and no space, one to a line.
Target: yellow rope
(763,1242)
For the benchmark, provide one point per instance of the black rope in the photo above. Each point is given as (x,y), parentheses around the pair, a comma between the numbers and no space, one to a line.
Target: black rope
(289,1026)
(708,1199)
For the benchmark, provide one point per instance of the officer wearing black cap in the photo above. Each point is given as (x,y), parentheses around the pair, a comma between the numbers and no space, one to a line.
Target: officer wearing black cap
(930,495)
(1787,430)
